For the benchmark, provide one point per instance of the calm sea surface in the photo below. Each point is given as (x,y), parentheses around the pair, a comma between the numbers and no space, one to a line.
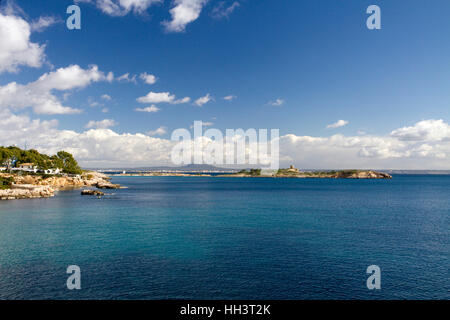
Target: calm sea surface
(232,238)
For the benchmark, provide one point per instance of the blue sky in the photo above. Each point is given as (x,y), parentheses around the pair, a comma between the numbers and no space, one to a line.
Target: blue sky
(318,57)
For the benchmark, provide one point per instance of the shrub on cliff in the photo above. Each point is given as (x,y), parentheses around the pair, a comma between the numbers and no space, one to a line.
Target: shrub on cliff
(5,183)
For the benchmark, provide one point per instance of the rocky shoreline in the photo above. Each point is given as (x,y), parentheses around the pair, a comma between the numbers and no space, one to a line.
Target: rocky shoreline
(26,191)
(38,186)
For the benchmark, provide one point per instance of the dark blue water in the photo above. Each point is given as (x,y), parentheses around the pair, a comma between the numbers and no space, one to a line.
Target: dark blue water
(232,238)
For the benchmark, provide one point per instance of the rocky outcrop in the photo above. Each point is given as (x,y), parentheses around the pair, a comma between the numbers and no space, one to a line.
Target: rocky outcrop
(37,186)
(362,175)
(92,193)
(107,185)
(26,191)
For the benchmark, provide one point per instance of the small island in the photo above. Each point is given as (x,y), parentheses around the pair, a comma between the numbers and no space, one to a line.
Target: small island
(293,172)
(27,174)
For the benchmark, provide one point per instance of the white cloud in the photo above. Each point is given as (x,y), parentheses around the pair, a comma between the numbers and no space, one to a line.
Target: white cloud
(337,124)
(203,100)
(150,109)
(106,97)
(157,97)
(277,103)
(127,78)
(148,78)
(103,124)
(161,97)
(427,130)
(105,110)
(158,132)
(229,98)
(221,11)
(122,7)
(428,150)
(16,49)
(43,23)
(110,77)
(184,12)
(183,100)
(107,148)
(38,94)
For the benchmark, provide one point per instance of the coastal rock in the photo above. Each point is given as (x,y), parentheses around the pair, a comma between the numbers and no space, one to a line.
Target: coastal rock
(92,193)
(27,191)
(107,185)
(363,175)
(37,186)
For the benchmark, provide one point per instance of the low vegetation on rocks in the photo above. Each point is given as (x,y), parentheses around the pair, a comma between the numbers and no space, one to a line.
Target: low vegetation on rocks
(296,173)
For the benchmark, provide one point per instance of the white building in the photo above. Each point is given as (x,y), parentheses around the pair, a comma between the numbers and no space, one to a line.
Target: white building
(26,167)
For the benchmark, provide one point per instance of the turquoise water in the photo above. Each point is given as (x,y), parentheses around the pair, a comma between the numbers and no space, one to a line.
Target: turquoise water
(224,238)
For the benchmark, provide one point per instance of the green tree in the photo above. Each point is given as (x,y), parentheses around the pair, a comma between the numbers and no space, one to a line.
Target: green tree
(5,155)
(69,164)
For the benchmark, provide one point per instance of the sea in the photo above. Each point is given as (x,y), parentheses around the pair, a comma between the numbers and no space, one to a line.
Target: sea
(232,238)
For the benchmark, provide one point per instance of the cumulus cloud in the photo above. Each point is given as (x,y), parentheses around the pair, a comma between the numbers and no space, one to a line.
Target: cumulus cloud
(43,23)
(277,103)
(150,109)
(148,78)
(221,11)
(203,100)
(94,104)
(184,12)
(337,124)
(107,148)
(106,97)
(229,98)
(158,132)
(103,124)
(110,77)
(427,130)
(183,100)
(161,97)
(127,78)
(38,94)
(157,97)
(121,7)
(16,48)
